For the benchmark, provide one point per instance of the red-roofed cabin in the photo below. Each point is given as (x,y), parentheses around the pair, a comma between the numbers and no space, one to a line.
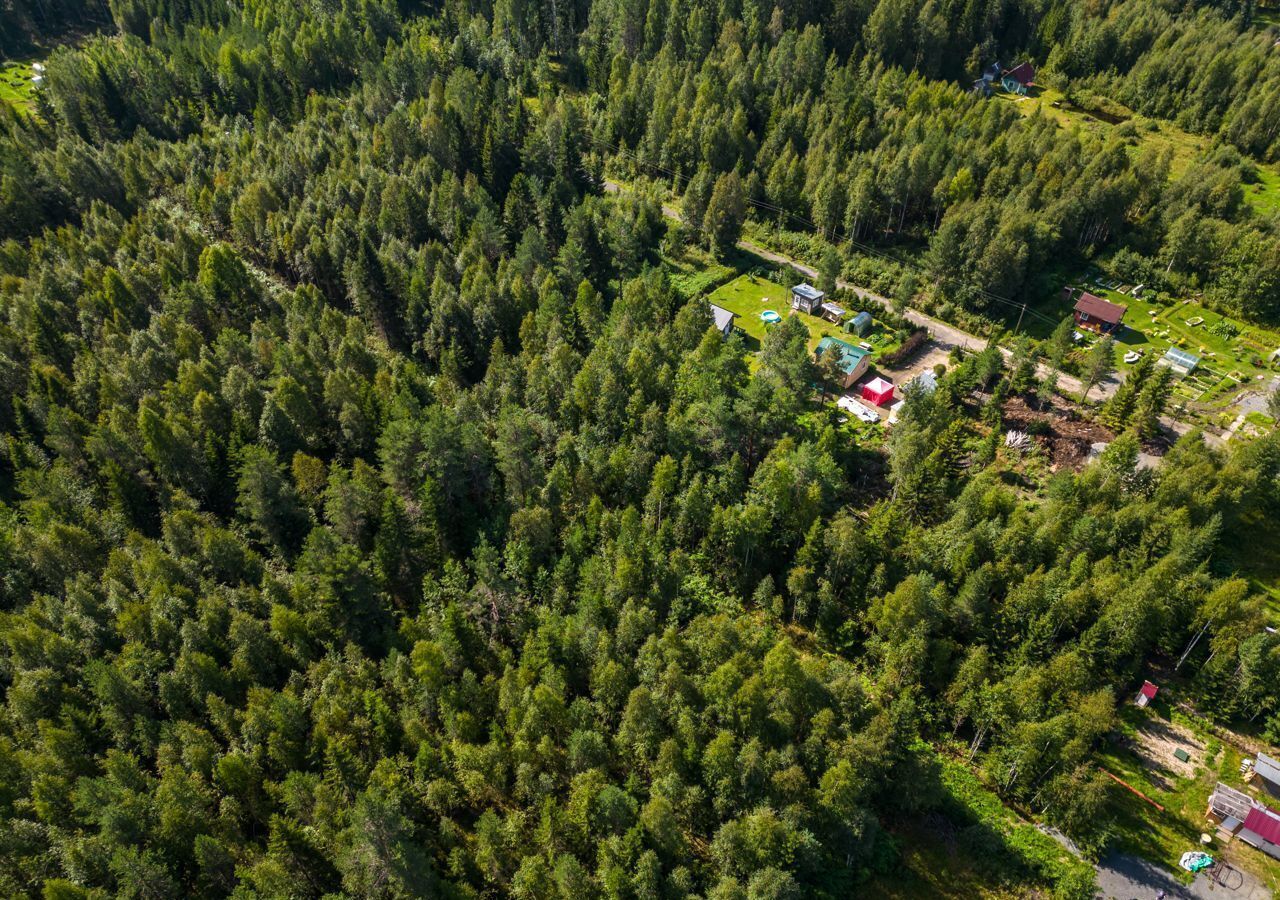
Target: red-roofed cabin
(1099,315)
(1262,831)
(1019,79)
(878,392)
(1147,694)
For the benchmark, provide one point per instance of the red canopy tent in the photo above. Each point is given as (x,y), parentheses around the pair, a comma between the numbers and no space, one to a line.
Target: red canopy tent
(878,392)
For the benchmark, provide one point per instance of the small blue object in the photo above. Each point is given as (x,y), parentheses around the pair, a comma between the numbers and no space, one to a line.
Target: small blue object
(770,317)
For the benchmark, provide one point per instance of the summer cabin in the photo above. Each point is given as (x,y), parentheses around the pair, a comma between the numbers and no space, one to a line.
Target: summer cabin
(850,360)
(807,298)
(1019,79)
(1095,314)
(723,319)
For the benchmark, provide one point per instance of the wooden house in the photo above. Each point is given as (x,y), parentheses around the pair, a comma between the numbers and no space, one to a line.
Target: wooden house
(723,319)
(852,361)
(1019,79)
(807,299)
(1095,314)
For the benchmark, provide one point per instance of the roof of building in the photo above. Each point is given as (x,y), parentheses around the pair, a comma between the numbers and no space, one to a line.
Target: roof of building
(1181,358)
(1023,73)
(808,291)
(878,385)
(724,318)
(1267,768)
(1227,801)
(1149,690)
(834,309)
(1102,310)
(1264,822)
(861,317)
(850,356)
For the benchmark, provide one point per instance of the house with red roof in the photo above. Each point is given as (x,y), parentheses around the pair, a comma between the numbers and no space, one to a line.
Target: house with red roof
(1147,694)
(1019,79)
(1262,830)
(1095,314)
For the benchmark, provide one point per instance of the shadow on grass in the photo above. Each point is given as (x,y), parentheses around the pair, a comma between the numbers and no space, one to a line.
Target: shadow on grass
(1132,336)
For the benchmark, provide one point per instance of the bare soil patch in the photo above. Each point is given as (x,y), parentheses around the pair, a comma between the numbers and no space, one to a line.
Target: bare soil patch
(1063,432)
(1157,741)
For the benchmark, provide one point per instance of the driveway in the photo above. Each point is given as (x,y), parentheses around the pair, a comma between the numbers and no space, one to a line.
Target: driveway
(1123,877)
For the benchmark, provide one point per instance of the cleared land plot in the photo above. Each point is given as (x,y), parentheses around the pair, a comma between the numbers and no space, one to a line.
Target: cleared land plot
(1163,836)
(1152,328)
(16,87)
(750,295)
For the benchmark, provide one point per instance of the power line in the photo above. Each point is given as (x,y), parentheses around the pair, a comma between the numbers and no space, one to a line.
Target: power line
(1023,308)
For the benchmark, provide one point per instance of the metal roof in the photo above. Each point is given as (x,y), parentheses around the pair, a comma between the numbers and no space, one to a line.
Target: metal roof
(1265,822)
(724,318)
(850,355)
(1102,310)
(808,291)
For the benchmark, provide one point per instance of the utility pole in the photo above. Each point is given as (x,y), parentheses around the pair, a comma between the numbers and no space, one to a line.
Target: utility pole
(1020,315)
(1191,645)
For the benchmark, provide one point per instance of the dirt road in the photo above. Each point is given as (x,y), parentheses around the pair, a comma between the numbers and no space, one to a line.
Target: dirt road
(944,334)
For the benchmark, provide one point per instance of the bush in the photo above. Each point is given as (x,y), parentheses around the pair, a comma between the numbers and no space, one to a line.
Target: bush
(905,352)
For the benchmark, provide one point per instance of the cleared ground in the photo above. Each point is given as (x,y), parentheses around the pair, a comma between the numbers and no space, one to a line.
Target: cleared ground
(16,87)
(750,295)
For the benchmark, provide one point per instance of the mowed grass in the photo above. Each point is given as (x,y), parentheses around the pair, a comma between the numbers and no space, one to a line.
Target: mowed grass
(1264,196)
(1153,328)
(16,88)
(750,295)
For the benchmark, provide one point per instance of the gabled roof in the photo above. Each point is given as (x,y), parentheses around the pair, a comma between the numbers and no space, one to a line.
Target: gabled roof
(849,357)
(1102,310)
(1265,823)
(808,291)
(1023,73)
(724,318)
(1267,768)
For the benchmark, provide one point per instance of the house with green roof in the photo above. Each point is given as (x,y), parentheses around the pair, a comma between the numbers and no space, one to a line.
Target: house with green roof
(852,361)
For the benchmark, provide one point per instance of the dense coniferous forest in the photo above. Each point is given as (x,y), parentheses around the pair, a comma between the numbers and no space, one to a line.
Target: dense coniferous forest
(378,520)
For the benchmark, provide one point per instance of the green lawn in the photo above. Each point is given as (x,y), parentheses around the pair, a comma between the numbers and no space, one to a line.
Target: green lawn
(16,88)
(1265,195)
(1154,327)
(750,295)
(1163,836)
